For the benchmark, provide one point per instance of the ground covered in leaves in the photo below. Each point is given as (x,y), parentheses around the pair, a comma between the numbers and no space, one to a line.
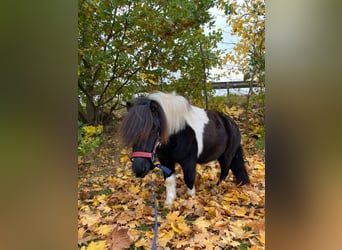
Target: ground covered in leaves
(116,209)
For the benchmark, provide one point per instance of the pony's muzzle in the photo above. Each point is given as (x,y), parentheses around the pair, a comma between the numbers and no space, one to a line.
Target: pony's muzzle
(141,166)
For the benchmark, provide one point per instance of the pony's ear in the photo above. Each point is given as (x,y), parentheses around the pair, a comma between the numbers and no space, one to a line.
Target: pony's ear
(129,105)
(154,106)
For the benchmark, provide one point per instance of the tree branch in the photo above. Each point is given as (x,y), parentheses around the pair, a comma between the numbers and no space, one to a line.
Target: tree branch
(131,74)
(109,82)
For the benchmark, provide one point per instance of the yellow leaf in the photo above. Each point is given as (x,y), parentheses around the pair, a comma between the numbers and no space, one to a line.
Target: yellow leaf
(261,238)
(175,228)
(211,210)
(97,187)
(96,203)
(233,198)
(237,232)
(106,209)
(123,151)
(134,189)
(98,245)
(143,75)
(124,159)
(142,243)
(202,223)
(240,211)
(104,229)
(151,81)
(85,208)
(172,217)
(165,237)
(181,228)
(81,232)
(149,234)
(89,219)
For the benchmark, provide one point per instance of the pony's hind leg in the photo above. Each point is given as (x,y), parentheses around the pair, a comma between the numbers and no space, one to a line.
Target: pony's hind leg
(225,161)
(236,164)
(238,167)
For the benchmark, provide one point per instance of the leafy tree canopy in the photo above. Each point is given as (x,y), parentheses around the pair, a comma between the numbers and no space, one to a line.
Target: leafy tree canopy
(128,47)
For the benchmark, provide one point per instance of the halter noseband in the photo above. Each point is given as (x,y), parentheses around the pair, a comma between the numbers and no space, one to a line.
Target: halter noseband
(148,155)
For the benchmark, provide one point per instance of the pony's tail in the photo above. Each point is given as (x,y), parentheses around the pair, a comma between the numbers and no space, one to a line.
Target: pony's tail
(239,169)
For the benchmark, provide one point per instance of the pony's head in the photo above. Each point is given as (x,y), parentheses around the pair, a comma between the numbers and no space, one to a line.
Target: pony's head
(143,128)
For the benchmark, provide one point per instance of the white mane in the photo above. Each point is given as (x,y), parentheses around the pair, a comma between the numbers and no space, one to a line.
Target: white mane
(179,112)
(175,108)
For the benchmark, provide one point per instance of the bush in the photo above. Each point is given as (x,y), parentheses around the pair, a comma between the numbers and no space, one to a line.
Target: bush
(88,138)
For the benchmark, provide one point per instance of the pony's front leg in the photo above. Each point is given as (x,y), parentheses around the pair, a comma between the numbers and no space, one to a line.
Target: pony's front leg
(170,184)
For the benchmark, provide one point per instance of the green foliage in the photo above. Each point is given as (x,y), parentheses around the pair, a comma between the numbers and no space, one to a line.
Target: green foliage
(88,138)
(128,47)
(220,102)
(244,245)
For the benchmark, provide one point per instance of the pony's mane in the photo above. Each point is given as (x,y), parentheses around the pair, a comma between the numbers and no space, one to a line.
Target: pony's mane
(139,121)
(176,109)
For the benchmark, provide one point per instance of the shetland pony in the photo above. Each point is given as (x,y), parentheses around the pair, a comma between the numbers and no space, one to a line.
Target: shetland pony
(167,126)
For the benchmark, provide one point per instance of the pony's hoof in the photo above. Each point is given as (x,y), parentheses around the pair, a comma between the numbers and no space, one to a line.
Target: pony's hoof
(192,191)
(168,202)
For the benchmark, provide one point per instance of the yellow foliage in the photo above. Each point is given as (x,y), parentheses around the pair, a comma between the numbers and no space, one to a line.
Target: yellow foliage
(89,219)
(148,77)
(151,81)
(134,189)
(98,245)
(261,238)
(202,223)
(164,237)
(124,159)
(91,130)
(178,224)
(104,229)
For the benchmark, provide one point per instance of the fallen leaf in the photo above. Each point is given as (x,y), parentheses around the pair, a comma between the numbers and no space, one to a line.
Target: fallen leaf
(134,189)
(202,223)
(120,239)
(89,219)
(240,211)
(80,232)
(172,217)
(165,237)
(97,245)
(104,229)
(253,248)
(261,237)
(143,242)
(124,159)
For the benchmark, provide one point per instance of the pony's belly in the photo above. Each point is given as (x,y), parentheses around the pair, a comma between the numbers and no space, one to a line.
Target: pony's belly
(206,157)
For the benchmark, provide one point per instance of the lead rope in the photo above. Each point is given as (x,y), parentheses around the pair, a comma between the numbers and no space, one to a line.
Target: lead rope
(154,244)
(167,173)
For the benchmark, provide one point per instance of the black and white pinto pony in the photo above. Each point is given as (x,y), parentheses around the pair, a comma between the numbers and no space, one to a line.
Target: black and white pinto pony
(167,125)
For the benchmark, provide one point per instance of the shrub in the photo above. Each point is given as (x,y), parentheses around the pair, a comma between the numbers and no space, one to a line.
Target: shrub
(88,138)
